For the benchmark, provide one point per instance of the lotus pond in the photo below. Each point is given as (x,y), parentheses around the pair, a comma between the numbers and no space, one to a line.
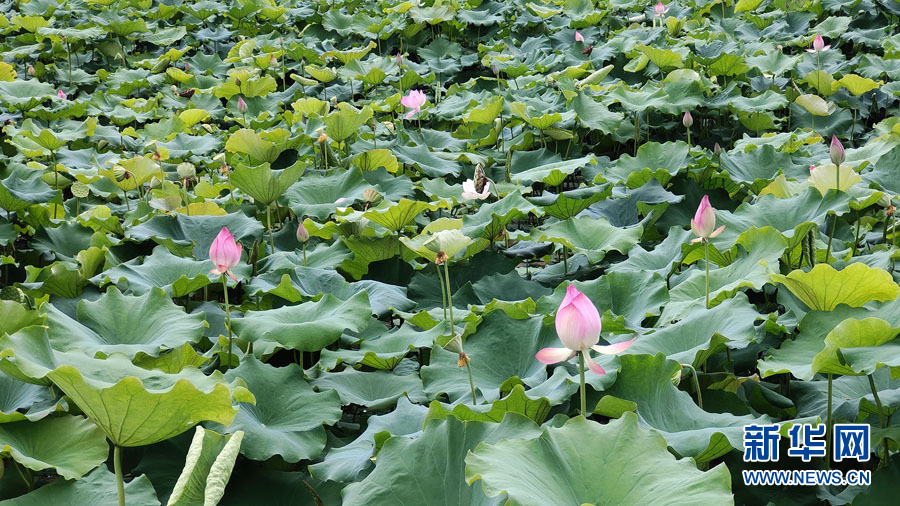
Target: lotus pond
(444,252)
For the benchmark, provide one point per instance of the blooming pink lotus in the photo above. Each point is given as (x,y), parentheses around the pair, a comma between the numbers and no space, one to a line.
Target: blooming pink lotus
(818,45)
(61,94)
(578,327)
(704,222)
(225,253)
(659,10)
(471,193)
(414,101)
(578,36)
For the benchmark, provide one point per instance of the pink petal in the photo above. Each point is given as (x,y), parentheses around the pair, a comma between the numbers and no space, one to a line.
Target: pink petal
(717,231)
(232,276)
(612,349)
(593,365)
(554,355)
(695,241)
(810,50)
(411,113)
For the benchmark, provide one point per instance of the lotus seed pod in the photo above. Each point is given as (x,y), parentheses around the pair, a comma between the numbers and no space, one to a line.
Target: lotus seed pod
(80,190)
(12,293)
(186,170)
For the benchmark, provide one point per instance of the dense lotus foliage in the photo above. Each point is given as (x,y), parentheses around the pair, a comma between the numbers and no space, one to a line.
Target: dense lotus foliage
(385,252)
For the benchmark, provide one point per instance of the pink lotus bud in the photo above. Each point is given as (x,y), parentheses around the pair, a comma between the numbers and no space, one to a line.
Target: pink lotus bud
(30,70)
(414,101)
(225,253)
(818,45)
(812,168)
(703,223)
(302,233)
(578,36)
(659,9)
(717,149)
(61,94)
(578,326)
(241,105)
(687,120)
(399,58)
(272,61)
(836,151)
(237,82)
(187,67)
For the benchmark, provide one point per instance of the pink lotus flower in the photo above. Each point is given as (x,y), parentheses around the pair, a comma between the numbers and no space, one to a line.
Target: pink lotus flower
(225,253)
(660,10)
(302,233)
(812,168)
(578,36)
(414,101)
(241,105)
(687,120)
(818,45)
(704,222)
(836,150)
(470,193)
(61,94)
(578,327)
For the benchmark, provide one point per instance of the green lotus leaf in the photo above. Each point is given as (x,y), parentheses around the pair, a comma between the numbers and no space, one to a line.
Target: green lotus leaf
(25,401)
(318,195)
(288,418)
(665,59)
(208,466)
(756,251)
(591,237)
(493,360)
(17,316)
(629,465)
(815,105)
(552,173)
(97,488)
(259,149)
(430,468)
(766,101)
(140,171)
(262,183)
(310,326)
(824,287)
(349,462)
(376,390)
(647,381)
(384,350)
(823,178)
(375,158)
(346,121)
(192,235)
(701,335)
(394,216)
(759,167)
(177,276)
(71,445)
(857,347)
(108,325)
(131,405)
(858,85)
(653,160)
(515,402)
(22,188)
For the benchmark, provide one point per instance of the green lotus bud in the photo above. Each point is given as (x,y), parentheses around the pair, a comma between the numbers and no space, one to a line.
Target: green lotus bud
(120,173)
(186,170)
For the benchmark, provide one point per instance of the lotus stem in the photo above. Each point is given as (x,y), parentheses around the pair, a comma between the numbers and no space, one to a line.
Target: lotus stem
(227,321)
(830,238)
(837,176)
(696,382)
(828,427)
(449,299)
(706,248)
(565,260)
(120,482)
(471,382)
(443,292)
(304,254)
(581,380)
(886,459)
(69,57)
(269,220)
